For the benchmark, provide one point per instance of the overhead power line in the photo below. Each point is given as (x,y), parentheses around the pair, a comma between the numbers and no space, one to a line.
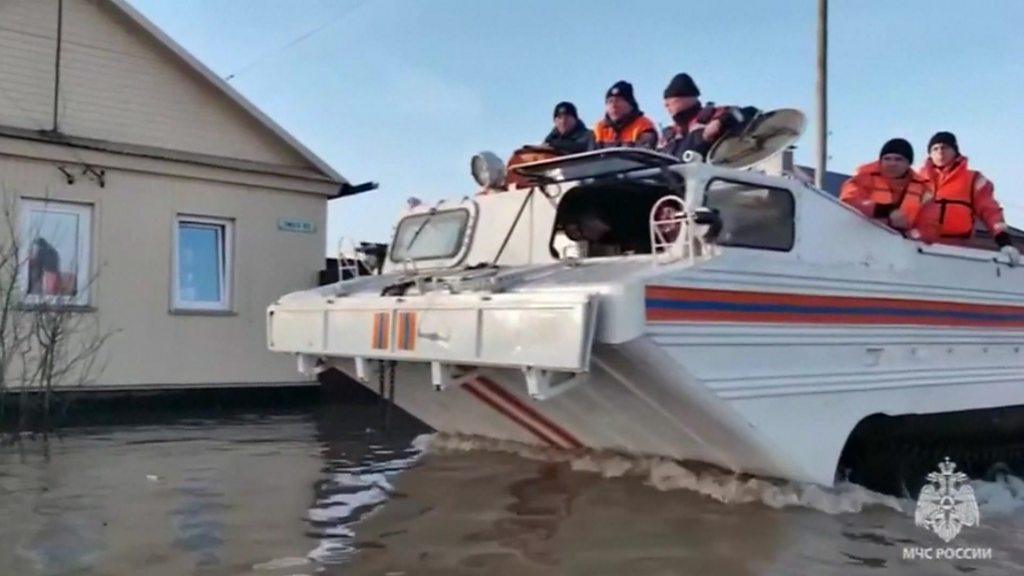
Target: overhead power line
(297,40)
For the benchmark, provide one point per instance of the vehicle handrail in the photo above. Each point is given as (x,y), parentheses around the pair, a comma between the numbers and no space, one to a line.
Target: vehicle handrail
(665,247)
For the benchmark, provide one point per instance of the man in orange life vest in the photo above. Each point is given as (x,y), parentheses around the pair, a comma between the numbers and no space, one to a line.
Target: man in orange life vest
(888,188)
(695,127)
(624,124)
(961,196)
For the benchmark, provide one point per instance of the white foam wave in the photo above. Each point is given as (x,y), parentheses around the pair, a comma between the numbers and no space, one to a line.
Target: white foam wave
(1003,495)
(665,474)
(281,563)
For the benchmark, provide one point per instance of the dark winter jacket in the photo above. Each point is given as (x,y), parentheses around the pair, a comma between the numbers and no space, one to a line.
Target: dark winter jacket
(678,139)
(580,139)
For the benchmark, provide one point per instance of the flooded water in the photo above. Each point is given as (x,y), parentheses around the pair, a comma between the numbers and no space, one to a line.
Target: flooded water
(326,491)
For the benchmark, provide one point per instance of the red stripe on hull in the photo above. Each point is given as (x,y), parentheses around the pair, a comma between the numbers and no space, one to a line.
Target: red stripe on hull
(740,297)
(507,396)
(539,434)
(770,317)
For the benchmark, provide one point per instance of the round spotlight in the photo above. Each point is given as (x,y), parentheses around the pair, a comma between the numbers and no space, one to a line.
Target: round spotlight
(488,170)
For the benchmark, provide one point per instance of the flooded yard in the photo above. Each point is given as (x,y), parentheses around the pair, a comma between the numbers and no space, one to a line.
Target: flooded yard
(323,489)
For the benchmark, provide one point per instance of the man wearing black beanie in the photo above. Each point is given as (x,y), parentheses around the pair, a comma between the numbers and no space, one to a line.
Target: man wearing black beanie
(888,188)
(570,135)
(962,195)
(695,127)
(624,124)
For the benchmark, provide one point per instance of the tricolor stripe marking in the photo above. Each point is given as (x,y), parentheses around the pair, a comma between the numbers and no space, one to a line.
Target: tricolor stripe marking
(510,406)
(381,330)
(406,330)
(667,304)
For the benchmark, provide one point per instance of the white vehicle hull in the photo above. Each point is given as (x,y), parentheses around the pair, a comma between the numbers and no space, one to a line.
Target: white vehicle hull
(777,396)
(758,361)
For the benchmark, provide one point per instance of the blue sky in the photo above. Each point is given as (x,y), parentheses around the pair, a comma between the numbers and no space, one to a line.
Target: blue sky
(404,92)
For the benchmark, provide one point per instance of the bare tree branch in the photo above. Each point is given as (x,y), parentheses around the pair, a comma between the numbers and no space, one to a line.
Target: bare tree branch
(46,344)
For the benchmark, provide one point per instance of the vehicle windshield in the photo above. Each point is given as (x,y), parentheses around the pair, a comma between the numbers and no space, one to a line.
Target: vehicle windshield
(430,236)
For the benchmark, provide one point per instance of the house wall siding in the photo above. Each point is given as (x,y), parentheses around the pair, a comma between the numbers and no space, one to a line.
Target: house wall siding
(118,84)
(27,54)
(122,86)
(132,243)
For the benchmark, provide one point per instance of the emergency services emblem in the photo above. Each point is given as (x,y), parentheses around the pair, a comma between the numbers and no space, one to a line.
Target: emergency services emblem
(947,503)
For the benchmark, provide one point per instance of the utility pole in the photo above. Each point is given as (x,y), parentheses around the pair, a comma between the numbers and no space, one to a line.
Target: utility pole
(56,66)
(822,94)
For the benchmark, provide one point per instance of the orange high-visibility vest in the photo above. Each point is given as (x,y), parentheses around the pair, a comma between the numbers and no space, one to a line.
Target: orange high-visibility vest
(869,184)
(605,135)
(954,193)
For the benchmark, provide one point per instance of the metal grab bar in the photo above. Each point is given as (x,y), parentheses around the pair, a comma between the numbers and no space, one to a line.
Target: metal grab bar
(955,252)
(672,236)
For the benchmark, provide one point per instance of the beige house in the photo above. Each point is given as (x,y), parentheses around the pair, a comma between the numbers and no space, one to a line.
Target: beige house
(152,195)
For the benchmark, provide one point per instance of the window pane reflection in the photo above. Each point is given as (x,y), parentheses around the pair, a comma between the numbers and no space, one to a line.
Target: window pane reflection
(53,253)
(200,257)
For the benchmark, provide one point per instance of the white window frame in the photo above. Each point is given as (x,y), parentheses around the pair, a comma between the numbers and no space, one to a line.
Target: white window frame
(83,272)
(422,263)
(225,261)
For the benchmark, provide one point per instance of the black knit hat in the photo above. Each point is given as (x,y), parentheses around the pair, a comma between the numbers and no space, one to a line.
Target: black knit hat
(566,108)
(947,138)
(898,146)
(681,86)
(623,89)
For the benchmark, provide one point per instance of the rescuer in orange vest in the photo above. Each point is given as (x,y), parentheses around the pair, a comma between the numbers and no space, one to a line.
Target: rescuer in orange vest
(961,196)
(888,188)
(624,124)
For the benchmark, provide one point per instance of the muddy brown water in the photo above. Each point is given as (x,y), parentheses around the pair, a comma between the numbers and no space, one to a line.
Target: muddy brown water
(324,490)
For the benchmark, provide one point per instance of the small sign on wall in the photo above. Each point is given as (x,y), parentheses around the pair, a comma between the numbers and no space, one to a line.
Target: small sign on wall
(301,225)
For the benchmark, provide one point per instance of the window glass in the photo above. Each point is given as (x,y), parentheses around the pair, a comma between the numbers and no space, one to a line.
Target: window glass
(430,236)
(752,216)
(202,264)
(55,237)
(199,266)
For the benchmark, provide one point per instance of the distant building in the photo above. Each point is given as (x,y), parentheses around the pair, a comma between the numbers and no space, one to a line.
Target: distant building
(784,163)
(152,195)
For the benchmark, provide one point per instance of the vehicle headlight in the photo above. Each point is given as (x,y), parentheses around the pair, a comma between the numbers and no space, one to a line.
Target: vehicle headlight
(488,170)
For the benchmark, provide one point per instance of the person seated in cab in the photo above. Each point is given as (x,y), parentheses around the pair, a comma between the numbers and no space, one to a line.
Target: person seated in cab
(962,195)
(695,127)
(611,218)
(624,124)
(570,135)
(888,188)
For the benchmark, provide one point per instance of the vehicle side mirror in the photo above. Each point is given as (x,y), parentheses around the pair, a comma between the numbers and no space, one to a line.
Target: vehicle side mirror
(710,218)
